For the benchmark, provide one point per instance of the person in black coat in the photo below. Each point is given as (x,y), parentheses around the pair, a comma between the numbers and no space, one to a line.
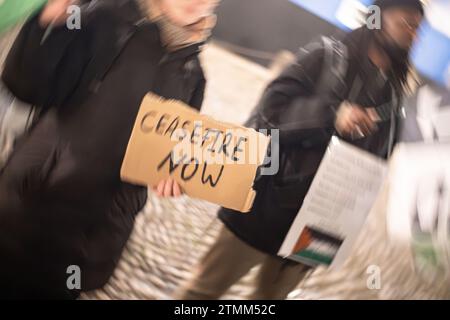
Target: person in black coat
(62,202)
(308,110)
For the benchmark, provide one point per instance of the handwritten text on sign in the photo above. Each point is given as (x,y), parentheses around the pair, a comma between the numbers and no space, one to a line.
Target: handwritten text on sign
(211,160)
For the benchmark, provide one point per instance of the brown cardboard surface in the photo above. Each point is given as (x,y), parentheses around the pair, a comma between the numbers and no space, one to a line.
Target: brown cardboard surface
(152,150)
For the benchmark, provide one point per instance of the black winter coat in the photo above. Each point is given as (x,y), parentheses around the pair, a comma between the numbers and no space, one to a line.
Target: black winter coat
(62,202)
(293,97)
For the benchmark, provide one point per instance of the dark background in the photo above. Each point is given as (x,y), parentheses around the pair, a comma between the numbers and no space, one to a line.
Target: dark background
(268,26)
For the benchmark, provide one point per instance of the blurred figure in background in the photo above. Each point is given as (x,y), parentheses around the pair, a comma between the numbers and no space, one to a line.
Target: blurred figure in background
(352,88)
(62,202)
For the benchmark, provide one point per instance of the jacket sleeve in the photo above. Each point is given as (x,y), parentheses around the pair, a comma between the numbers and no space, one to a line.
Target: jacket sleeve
(291,105)
(43,67)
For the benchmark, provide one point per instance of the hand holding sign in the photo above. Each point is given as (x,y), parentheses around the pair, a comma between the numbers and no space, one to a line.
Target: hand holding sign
(168,188)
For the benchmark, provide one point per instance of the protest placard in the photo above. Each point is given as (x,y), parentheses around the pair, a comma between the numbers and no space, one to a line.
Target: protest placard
(211,160)
(336,206)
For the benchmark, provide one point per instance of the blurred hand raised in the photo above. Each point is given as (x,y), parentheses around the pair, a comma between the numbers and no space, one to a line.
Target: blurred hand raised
(354,121)
(55,12)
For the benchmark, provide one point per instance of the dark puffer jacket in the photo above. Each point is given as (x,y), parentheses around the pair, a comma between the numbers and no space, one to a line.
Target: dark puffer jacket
(305,115)
(62,202)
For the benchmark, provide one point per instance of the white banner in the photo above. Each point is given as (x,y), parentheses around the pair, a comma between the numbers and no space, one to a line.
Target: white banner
(340,198)
(418,211)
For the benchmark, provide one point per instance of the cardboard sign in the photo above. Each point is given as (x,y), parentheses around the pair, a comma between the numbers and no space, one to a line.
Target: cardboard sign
(211,160)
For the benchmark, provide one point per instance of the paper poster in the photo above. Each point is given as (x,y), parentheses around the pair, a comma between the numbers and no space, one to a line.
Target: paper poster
(334,210)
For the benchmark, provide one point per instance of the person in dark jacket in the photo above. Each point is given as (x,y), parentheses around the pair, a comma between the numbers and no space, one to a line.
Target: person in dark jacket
(63,206)
(307,115)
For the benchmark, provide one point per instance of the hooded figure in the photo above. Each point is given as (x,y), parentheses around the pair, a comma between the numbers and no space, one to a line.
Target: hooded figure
(301,103)
(62,203)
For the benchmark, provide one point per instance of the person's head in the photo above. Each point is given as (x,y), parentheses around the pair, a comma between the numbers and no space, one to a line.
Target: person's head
(400,21)
(187,12)
(181,22)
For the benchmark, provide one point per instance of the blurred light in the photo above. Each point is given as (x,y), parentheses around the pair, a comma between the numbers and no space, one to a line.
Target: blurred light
(431,54)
